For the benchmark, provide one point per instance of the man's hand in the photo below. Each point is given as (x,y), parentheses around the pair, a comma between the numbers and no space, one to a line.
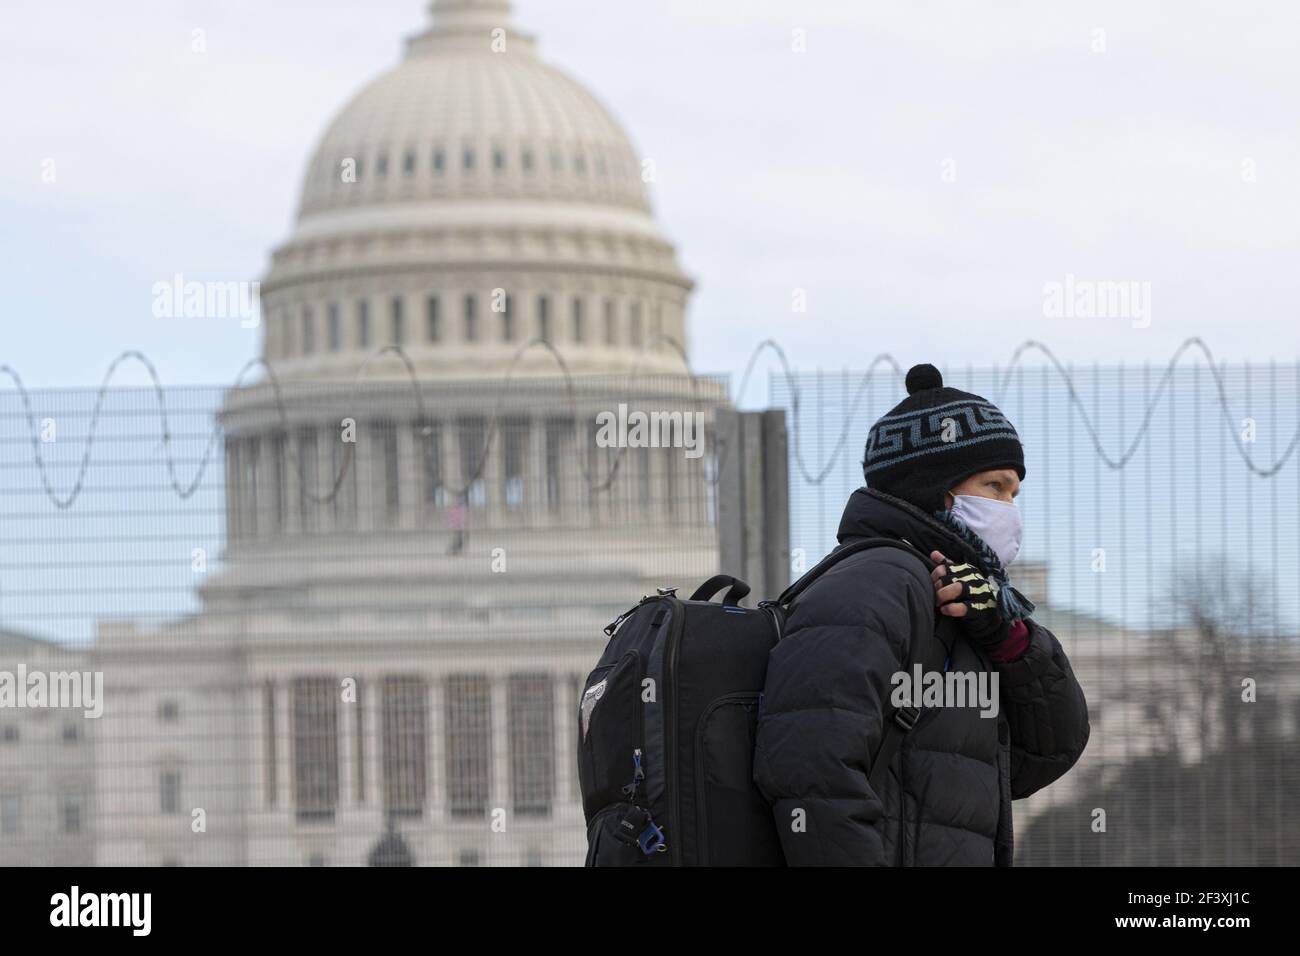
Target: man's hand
(960,590)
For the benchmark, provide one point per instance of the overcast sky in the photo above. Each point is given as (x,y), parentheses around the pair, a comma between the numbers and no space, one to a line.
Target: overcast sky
(922,170)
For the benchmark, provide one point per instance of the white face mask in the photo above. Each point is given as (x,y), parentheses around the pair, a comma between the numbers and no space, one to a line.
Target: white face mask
(997,522)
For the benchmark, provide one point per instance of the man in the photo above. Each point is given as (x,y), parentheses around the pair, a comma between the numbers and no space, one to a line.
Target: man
(942,471)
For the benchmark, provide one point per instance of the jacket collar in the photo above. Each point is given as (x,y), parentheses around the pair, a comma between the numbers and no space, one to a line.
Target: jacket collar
(871,513)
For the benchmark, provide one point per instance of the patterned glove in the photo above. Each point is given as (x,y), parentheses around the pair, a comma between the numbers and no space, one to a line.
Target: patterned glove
(983,619)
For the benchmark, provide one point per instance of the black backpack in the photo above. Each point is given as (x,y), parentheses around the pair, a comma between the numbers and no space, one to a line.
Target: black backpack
(667,721)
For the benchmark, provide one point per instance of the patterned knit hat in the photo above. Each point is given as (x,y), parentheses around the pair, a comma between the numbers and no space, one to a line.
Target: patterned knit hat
(934,439)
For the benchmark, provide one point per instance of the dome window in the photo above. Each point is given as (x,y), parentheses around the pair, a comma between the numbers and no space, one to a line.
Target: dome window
(471,318)
(610,334)
(507,320)
(432,319)
(467,159)
(579,332)
(580,165)
(634,326)
(398,322)
(439,162)
(363,324)
(526,160)
(308,332)
(408,163)
(381,165)
(543,318)
(335,328)
(498,159)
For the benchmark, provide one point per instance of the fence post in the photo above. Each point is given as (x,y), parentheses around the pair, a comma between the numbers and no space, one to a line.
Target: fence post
(754,499)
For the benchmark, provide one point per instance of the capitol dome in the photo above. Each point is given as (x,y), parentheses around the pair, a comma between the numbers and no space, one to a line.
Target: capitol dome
(464,203)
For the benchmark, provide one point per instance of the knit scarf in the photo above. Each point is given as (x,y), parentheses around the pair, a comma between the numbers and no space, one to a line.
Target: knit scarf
(1013,605)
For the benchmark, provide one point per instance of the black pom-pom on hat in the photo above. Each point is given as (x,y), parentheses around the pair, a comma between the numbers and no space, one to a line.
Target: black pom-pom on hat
(911,454)
(921,377)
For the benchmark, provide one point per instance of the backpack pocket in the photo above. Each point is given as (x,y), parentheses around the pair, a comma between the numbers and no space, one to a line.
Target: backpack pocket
(611,838)
(610,731)
(736,827)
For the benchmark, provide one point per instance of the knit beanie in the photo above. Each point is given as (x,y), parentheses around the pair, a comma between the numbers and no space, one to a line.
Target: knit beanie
(936,438)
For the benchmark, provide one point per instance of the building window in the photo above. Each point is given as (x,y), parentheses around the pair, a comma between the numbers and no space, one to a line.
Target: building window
(531,707)
(316,859)
(469,729)
(71,732)
(335,328)
(345,498)
(169,711)
(526,160)
(398,322)
(473,445)
(11,734)
(431,319)
(467,858)
(532,856)
(557,161)
(611,335)
(439,162)
(579,330)
(405,726)
(507,319)
(543,318)
(381,166)
(169,791)
(580,165)
(363,324)
(408,162)
(467,159)
(70,811)
(308,332)
(11,812)
(471,318)
(634,325)
(498,160)
(315,748)
(514,437)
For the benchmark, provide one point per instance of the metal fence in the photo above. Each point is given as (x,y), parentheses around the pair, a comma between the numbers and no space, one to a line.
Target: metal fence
(1161,506)
(324,651)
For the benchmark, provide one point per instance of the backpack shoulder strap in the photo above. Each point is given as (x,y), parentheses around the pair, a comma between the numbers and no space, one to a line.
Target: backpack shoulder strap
(838,555)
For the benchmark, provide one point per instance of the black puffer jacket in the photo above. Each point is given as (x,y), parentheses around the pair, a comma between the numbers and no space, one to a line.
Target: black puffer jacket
(948,797)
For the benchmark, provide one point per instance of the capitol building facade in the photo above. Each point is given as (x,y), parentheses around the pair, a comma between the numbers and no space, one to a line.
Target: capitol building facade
(423,537)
